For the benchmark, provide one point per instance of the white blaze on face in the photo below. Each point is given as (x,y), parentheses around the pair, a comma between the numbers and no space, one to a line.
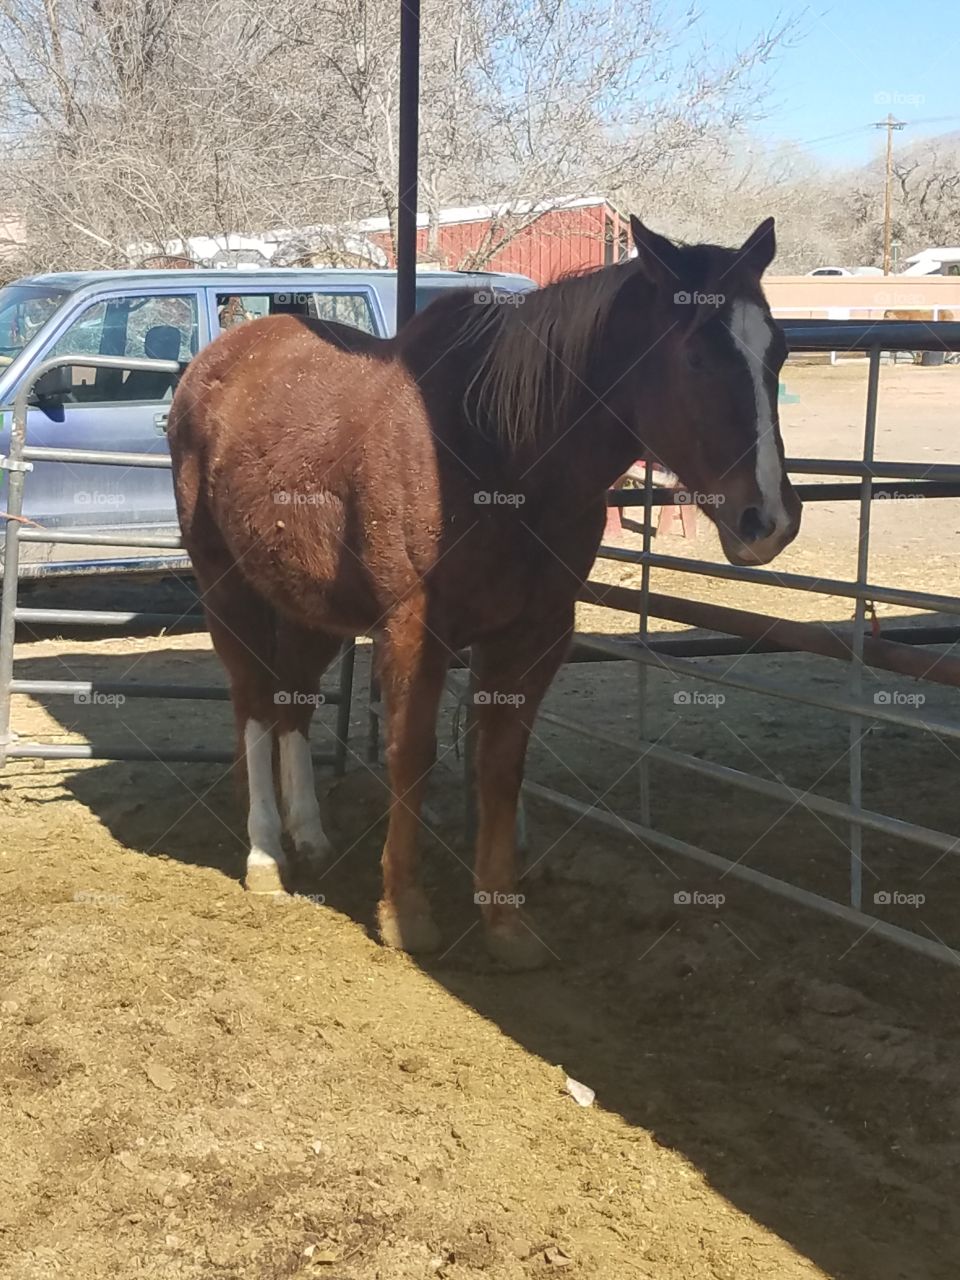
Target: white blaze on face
(752,333)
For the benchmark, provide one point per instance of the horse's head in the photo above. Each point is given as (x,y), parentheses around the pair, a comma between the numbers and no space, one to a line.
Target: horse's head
(694,338)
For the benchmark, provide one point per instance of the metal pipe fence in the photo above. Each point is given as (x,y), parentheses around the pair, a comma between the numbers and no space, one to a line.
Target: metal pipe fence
(17,464)
(675,654)
(937,481)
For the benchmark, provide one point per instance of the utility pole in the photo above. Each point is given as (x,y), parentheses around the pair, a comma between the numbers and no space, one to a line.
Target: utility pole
(889,124)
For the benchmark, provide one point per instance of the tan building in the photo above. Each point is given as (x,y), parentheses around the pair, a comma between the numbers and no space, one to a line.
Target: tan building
(864,297)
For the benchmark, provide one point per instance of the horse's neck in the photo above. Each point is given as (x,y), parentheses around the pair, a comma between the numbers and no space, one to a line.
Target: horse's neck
(577,464)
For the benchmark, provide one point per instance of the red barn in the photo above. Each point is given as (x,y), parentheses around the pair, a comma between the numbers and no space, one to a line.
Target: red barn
(542,241)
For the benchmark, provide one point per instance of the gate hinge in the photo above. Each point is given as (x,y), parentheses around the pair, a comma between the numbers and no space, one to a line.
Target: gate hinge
(9,464)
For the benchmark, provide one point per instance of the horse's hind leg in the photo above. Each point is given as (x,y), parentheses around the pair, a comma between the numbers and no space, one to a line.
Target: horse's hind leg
(301,658)
(413,671)
(514,670)
(243,628)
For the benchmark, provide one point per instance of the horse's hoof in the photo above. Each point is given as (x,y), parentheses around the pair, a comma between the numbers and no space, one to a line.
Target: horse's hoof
(264,878)
(407,924)
(516,946)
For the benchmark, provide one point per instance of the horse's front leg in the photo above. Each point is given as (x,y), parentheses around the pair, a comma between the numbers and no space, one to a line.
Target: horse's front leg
(514,671)
(414,667)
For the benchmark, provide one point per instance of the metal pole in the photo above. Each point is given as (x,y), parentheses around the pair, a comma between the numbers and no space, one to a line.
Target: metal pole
(821,638)
(643,671)
(406,242)
(408,157)
(856,659)
(470,753)
(147,755)
(794,581)
(886,197)
(15,468)
(348,657)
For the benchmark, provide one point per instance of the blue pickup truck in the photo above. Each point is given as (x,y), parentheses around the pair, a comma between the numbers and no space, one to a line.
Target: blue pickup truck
(164,315)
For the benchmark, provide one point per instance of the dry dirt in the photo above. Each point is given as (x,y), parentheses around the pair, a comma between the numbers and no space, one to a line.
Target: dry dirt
(196,1084)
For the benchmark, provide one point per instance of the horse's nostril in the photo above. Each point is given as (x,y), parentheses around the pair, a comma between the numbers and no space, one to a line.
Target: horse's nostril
(754,526)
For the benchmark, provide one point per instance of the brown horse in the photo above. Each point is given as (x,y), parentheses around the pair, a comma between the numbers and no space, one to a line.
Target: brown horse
(446,488)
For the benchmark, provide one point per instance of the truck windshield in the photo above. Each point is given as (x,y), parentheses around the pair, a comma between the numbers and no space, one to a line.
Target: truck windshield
(24,310)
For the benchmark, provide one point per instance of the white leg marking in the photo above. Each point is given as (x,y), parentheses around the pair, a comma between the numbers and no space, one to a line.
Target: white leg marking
(301,811)
(752,334)
(265,858)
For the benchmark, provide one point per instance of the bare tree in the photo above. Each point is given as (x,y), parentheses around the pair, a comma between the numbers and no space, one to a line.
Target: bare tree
(145,122)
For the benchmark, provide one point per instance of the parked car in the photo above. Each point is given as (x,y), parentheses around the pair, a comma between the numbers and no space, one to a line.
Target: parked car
(845,271)
(165,315)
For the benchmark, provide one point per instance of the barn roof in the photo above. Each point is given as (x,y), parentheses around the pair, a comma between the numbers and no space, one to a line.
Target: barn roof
(481,212)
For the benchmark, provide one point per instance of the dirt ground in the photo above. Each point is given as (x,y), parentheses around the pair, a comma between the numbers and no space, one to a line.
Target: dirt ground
(194,1083)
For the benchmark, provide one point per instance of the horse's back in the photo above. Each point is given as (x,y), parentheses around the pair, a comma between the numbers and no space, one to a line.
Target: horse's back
(260,360)
(286,437)
(259,388)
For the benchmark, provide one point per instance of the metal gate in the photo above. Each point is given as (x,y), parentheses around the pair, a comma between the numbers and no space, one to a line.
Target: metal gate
(871,481)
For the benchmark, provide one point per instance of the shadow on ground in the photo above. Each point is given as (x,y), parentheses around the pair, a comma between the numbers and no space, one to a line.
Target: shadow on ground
(812,1076)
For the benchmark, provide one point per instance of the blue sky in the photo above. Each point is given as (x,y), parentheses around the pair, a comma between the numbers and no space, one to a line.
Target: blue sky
(849,64)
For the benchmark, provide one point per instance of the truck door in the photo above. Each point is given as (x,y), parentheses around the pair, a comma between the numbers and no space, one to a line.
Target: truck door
(115,411)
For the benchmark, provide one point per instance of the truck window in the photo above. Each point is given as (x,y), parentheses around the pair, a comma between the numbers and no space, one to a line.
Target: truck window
(24,310)
(344,308)
(161,327)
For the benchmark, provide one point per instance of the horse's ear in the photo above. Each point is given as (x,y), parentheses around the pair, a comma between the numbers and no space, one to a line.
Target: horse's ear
(658,257)
(759,249)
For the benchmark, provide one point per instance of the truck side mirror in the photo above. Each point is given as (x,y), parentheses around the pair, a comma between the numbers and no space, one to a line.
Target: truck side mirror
(53,388)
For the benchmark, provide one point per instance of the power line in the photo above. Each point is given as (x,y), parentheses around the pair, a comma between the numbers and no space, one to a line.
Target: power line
(833,137)
(864,128)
